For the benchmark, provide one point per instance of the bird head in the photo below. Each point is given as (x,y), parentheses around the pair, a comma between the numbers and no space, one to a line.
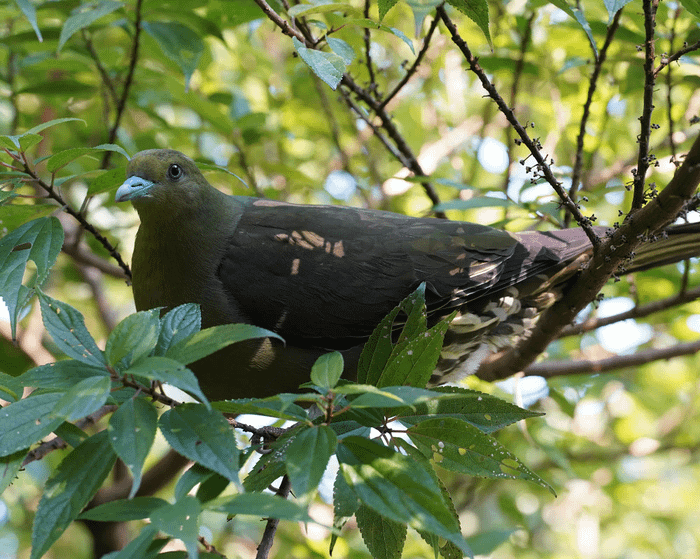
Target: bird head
(160,176)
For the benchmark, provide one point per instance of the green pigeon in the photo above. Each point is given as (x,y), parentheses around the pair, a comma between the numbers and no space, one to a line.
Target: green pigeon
(323,277)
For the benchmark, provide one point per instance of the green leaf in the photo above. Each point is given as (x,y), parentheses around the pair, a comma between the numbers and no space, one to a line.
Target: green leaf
(328,66)
(204,436)
(207,341)
(262,505)
(135,336)
(11,388)
(458,446)
(180,520)
(87,14)
(371,24)
(306,458)
(342,49)
(164,369)
(123,510)
(77,479)
(141,547)
(67,328)
(327,369)
(273,406)
(25,422)
(86,397)
(132,430)
(10,466)
(193,476)
(414,364)
(383,537)
(61,375)
(179,44)
(178,324)
(614,6)
(40,241)
(62,158)
(106,180)
(421,8)
(398,488)
(477,11)
(49,123)
(485,543)
(484,411)
(322,8)
(384,7)
(30,13)
(577,14)
(269,468)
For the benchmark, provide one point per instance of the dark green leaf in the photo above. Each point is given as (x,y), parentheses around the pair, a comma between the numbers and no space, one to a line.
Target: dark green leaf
(86,397)
(485,543)
(124,510)
(39,241)
(180,520)
(262,505)
(384,7)
(11,388)
(67,328)
(322,8)
(204,436)
(29,12)
(10,466)
(76,480)
(383,537)
(202,343)
(307,457)
(141,547)
(179,43)
(25,422)
(459,446)
(61,375)
(135,336)
(178,324)
(132,430)
(85,17)
(273,406)
(62,158)
(477,11)
(164,369)
(193,476)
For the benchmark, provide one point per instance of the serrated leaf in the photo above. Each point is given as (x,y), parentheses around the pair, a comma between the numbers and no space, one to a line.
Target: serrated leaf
(67,328)
(40,241)
(180,520)
(269,468)
(25,422)
(328,66)
(86,397)
(262,505)
(179,43)
(397,487)
(202,435)
(306,458)
(477,11)
(458,446)
(164,369)
(135,336)
(207,341)
(383,537)
(132,430)
(124,510)
(384,7)
(29,12)
(10,466)
(327,369)
(177,324)
(61,375)
(77,479)
(342,49)
(212,487)
(484,411)
(62,158)
(86,16)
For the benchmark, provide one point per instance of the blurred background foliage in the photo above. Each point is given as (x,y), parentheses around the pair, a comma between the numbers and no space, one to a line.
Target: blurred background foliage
(218,81)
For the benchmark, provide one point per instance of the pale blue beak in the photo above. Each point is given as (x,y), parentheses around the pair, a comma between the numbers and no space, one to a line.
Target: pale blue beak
(133,187)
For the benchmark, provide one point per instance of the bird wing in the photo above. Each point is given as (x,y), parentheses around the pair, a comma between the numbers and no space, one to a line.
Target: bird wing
(330,274)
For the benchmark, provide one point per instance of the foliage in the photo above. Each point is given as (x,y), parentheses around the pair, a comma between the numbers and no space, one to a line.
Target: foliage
(332,101)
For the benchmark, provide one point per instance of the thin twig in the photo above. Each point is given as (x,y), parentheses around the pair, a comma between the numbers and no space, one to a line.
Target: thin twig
(272,523)
(412,70)
(675,56)
(592,84)
(542,166)
(644,157)
(279,22)
(368,56)
(669,88)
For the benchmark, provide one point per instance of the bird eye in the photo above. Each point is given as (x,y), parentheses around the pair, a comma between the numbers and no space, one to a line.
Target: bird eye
(174,171)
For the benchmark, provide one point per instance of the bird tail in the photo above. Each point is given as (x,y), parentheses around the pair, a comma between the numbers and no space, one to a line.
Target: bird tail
(674,244)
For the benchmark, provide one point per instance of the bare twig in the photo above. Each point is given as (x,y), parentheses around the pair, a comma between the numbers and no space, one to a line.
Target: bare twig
(592,84)
(550,369)
(534,146)
(368,56)
(675,56)
(272,523)
(279,22)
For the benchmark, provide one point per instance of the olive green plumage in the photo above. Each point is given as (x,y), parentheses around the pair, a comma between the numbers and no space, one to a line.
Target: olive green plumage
(324,276)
